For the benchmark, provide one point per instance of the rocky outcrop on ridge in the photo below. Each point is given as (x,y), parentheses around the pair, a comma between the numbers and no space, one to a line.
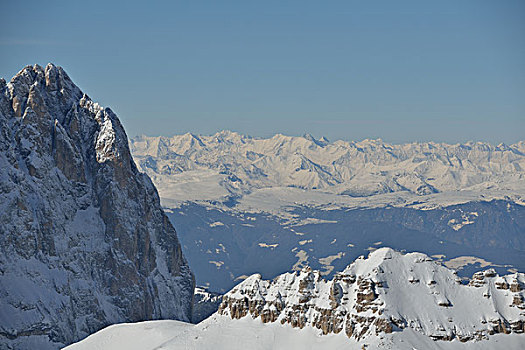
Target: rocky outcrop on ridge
(385,293)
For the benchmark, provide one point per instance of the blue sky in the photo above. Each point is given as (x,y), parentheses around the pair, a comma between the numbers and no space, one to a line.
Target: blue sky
(402,71)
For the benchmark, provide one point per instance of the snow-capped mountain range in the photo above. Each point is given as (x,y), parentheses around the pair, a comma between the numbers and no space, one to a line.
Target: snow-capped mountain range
(230,165)
(84,242)
(244,205)
(386,301)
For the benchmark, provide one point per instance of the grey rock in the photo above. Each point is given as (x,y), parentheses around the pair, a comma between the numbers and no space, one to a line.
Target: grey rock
(84,242)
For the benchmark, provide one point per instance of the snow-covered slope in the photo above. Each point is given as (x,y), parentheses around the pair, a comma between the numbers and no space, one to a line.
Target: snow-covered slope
(228,164)
(84,242)
(386,292)
(387,301)
(220,332)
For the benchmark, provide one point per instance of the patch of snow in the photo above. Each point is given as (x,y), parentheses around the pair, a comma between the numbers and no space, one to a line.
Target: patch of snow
(302,260)
(271,246)
(216,224)
(216,263)
(462,261)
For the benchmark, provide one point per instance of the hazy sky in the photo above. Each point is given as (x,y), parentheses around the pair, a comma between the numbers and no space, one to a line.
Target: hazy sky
(398,70)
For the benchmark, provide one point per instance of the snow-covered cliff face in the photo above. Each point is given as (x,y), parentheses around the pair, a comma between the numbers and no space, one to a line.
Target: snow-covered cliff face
(84,242)
(230,164)
(385,293)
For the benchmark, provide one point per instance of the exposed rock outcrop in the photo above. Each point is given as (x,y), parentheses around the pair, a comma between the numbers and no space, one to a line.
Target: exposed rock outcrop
(84,242)
(384,293)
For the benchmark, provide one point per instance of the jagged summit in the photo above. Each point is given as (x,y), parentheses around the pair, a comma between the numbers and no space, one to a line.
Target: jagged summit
(35,90)
(84,240)
(52,78)
(384,293)
(323,141)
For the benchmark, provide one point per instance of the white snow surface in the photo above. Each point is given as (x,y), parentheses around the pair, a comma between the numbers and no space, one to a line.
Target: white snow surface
(220,332)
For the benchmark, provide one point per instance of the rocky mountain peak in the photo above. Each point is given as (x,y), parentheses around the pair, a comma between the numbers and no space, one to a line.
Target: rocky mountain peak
(78,218)
(29,87)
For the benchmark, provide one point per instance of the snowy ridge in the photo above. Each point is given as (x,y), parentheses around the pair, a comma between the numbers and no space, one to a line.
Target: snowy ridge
(220,332)
(229,164)
(384,293)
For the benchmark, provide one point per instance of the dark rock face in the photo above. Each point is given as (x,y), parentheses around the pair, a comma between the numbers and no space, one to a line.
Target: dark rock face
(84,242)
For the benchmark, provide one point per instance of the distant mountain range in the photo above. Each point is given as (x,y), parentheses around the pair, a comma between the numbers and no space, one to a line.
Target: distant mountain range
(228,164)
(244,205)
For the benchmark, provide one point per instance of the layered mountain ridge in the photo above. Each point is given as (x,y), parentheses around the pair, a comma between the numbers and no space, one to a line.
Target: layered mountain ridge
(385,293)
(84,241)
